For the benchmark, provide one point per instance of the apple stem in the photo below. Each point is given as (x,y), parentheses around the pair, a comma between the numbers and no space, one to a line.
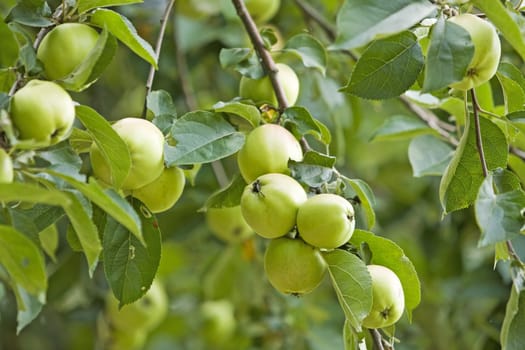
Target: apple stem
(158,47)
(265,58)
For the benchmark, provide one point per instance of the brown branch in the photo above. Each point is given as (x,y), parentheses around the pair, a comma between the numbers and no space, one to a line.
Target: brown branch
(376,337)
(158,47)
(265,58)
(477,127)
(314,15)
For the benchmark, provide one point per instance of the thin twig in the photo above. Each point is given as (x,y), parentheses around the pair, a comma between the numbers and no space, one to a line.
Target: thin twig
(512,252)
(477,127)
(264,56)
(314,15)
(376,337)
(158,47)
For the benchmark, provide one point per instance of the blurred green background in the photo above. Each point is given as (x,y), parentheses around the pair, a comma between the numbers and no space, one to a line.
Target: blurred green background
(218,295)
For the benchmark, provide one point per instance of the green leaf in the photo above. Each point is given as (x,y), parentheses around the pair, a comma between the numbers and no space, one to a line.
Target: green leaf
(242,60)
(62,159)
(503,20)
(36,219)
(463,176)
(350,338)
(509,70)
(387,68)
(202,137)
(247,112)
(511,336)
(112,147)
(109,201)
(366,197)
(130,266)
(399,127)
(22,260)
(80,140)
(314,170)
(124,30)
(49,241)
(429,155)
(9,52)
(227,197)
(86,5)
(300,122)
(449,55)
(498,210)
(309,50)
(359,22)
(161,103)
(94,64)
(85,230)
(25,192)
(33,13)
(352,284)
(513,93)
(387,253)
(29,307)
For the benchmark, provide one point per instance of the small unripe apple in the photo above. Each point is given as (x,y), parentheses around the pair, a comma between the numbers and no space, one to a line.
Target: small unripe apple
(6,167)
(487,51)
(127,339)
(42,111)
(162,193)
(267,149)
(219,321)
(388,298)
(261,90)
(228,224)
(292,266)
(262,10)
(326,221)
(144,314)
(269,204)
(65,47)
(146,147)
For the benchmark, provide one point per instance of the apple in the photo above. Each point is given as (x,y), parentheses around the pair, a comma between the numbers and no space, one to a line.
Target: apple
(146,146)
(228,224)
(198,9)
(6,167)
(162,193)
(262,10)
(326,221)
(388,298)
(261,90)
(487,51)
(65,47)
(267,149)
(42,111)
(128,339)
(144,314)
(218,321)
(293,266)
(269,204)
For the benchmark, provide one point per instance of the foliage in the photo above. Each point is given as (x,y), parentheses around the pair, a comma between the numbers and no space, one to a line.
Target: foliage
(374,109)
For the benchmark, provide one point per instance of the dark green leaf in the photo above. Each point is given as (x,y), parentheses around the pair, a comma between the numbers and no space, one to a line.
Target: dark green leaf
(449,55)
(229,196)
(86,5)
(314,170)
(124,30)
(463,177)
(352,285)
(242,60)
(130,266)
(511,336)
(300,122)
(309,50)
(29,307)
(161,103)
(35,219)
(387,253)
(387,68)
(34,13)
(513,93)
(359,22)
(202,137)
(366,198)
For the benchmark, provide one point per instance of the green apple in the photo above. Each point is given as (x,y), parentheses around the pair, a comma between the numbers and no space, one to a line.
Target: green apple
(6,167)
(218,321)
(144,314)
(162,194)
(261,90)
(262,10)
(293,266)
(198,9)
(326,221)
(388,298)
(228,224)
(65,47)
(42,111)
(146,147)
(269,204)
(267,149)
(487,51)
(127,339)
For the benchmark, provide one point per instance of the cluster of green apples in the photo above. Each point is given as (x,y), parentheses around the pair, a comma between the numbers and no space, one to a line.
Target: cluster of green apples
(130,325)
